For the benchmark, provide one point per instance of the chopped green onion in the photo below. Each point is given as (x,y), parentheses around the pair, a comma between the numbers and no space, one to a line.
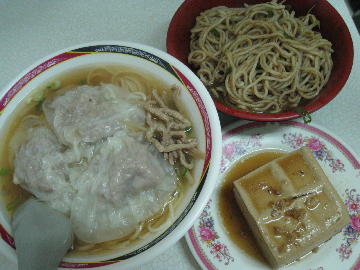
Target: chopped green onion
(215,33)
(184,172)
(188,130)
(38,106)
(270,13)
(4,171)
(14,204)
(54,85)
(304,114)
(181,171)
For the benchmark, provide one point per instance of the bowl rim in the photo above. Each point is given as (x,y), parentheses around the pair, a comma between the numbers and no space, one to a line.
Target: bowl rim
(209,181)
(171,40)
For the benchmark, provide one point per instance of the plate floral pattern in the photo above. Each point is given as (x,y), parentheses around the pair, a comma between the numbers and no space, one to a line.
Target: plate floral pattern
(321,152)
(207,239)
(209,236)
(351,233)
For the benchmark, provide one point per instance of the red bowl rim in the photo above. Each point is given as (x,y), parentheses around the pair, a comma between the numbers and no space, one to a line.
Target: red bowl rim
(312,107)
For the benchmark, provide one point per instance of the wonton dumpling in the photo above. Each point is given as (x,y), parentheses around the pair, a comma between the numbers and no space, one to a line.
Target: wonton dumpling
(127,181)
(41,168)
(90,165)
(90,113)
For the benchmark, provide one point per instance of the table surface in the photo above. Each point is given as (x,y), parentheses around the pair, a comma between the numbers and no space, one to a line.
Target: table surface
(30,30)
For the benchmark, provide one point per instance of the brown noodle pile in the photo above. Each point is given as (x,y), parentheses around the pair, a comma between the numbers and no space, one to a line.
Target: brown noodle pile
(260,58)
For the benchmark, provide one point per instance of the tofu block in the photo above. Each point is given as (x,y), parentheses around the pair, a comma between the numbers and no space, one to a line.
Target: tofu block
(290,206)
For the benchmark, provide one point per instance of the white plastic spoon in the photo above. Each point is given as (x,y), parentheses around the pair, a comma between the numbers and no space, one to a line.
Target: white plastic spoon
(42,236)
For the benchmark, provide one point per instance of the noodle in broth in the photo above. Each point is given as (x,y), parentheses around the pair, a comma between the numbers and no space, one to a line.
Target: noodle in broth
(134,83)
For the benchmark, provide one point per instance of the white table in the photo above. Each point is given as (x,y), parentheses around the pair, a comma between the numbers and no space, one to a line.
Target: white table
(30,30)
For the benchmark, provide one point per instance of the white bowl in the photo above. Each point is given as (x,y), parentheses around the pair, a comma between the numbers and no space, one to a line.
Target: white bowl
(197,102)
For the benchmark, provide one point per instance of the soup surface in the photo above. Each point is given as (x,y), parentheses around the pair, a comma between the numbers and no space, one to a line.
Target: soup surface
(132,80)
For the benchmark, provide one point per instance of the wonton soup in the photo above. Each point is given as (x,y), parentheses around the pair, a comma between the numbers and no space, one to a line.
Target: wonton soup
(110,147)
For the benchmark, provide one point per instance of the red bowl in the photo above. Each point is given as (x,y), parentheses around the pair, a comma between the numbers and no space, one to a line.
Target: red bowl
(332,28)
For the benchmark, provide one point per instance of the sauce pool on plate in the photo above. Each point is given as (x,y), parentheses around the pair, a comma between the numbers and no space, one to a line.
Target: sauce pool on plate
(232,219)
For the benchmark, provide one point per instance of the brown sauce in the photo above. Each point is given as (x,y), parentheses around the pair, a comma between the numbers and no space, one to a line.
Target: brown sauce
(232,219)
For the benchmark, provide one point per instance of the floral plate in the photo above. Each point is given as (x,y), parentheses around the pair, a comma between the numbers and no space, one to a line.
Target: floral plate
(207,239)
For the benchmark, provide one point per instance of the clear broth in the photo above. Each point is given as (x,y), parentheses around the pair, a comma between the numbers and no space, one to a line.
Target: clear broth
(13,195)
